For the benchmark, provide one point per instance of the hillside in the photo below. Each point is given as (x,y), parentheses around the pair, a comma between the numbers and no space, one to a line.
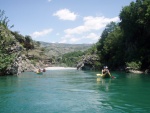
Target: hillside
(20,53)
(58,49)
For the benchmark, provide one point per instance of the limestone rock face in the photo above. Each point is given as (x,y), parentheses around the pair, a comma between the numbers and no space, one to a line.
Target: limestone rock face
(12,54)
(20,64)
(87,62)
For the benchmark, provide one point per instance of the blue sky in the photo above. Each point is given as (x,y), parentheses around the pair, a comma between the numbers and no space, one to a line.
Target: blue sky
(62,21)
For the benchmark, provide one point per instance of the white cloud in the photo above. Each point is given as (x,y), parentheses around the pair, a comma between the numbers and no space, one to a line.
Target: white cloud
(91,23)
(63,41)
(92,36)
(88,38)
(49,0)
(65,14)
(97,23)
(77,30)
(41,33)
(74,40)
(87,32)
(69,39)
(57,34)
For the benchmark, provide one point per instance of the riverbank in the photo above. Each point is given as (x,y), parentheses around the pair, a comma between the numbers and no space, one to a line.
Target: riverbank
(59,68)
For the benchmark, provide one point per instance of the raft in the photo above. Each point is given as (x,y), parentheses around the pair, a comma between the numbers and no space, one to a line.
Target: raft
(39,72)
(104,76)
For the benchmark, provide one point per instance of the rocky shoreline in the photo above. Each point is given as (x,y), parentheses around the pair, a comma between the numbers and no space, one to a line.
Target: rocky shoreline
(22,64)
(88,63)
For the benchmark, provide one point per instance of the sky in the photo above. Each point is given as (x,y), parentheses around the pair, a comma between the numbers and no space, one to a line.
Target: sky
(62,21)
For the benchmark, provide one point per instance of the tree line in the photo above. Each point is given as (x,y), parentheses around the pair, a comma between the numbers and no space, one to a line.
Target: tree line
(127,43)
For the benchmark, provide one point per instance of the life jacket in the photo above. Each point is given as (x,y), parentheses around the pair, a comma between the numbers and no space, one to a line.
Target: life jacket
(105,71)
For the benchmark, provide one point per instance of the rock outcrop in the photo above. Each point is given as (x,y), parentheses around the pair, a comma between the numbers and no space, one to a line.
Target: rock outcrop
(13,54)
(132,70)
(20,64)
(87,62)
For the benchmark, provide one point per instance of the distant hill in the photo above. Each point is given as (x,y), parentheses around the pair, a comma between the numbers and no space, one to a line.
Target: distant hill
(58,49)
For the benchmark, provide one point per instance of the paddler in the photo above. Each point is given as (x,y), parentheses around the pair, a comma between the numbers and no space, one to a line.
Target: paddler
(105,71)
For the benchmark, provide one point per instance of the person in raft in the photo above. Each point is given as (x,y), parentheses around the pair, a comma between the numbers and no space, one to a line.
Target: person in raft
(44,70)
(105,71)
(39,70)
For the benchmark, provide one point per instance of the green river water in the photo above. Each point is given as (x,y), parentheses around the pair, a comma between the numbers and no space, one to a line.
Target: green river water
(73,91)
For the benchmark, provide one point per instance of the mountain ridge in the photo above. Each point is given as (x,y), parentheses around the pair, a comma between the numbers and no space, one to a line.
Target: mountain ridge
(44,44)
(58,49)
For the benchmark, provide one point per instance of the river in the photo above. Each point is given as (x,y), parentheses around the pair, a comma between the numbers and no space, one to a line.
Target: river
(73,91)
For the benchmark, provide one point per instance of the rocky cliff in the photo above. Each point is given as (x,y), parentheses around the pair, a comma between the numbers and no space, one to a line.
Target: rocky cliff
(88,62)
(13,57)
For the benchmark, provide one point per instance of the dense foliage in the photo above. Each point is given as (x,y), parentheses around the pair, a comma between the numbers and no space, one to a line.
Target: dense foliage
(6,57)
(128,41)
(70,59)
(6,40)
(25,41)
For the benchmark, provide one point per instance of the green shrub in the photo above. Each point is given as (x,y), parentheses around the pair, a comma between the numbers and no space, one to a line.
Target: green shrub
(134,65)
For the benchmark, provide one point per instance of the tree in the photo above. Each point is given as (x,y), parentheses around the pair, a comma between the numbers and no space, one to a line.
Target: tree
(136,26)
(106,42)
(108,29)
(6,57)
(4,20)
(113,49)
(28,44)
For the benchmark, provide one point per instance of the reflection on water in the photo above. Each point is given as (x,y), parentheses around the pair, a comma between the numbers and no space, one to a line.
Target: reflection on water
(104,83)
